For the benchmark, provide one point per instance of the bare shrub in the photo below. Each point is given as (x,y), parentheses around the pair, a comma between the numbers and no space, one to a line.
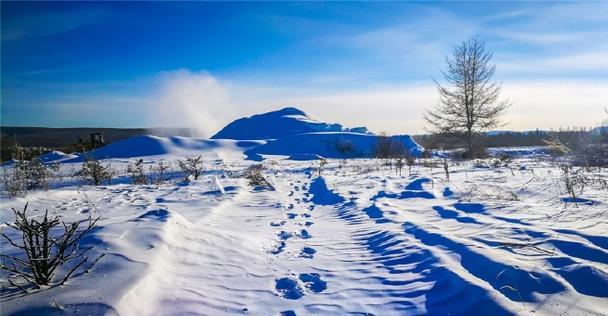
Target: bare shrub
(94,172)
(556,148)
(160,172)
(45,249)
(446,170)
(399,165)
(137,173)
(410,160)
(192,166)
(574,181)
(592,155)
(26,175)
(322,163)
(388,147)
(255,178)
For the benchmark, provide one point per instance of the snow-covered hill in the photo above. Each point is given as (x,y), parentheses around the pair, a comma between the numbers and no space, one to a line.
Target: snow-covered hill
(286,132)
(277,124)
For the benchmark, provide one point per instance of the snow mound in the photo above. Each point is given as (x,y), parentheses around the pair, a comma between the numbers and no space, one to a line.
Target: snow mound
(328,145)
(56,156)
(278,124)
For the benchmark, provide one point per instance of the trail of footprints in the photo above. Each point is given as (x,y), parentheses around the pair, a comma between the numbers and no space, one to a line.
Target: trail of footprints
(296,286)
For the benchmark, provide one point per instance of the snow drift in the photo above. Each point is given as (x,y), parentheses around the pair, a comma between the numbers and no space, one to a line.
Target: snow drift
(148,145)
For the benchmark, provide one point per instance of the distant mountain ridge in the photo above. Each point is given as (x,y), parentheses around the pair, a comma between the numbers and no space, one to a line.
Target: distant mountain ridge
(280,123)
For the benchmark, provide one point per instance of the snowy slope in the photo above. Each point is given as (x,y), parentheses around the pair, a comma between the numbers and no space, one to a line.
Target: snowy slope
(328,145)
(148,145)
(277,124)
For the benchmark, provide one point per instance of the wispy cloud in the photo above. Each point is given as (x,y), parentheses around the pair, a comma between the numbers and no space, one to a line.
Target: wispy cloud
(47,23)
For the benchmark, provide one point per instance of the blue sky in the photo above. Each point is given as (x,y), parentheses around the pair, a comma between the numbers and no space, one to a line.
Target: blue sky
(203,64)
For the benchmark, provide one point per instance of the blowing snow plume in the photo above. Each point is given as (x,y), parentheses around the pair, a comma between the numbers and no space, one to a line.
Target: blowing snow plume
(191,99)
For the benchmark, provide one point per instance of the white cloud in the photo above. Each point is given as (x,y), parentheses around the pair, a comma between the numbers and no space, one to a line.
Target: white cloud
(586,61)
(399,109)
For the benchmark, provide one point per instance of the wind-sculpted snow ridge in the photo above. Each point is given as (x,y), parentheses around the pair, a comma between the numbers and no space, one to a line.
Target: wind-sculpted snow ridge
(354,241)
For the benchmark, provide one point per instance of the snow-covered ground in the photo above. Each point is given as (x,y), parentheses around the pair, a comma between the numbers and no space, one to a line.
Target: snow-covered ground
(357,240)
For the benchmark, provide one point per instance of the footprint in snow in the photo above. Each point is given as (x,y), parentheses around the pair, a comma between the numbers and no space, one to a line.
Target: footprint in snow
(277,223)
(304,234)
(307,252)
(288,288)
(291,215)
(307,224)
(294,289)
(313,282)
(278,248)
(283,235)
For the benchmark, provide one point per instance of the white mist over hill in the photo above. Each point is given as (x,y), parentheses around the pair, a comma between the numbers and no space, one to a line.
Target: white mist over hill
(191,99)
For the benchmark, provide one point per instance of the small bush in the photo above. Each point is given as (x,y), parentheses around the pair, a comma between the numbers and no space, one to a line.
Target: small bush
(399,165)
(160,172)
(556,148)
(388,147)
(94,172)
(322,163)
(592,155)
(45,249)
(192,166)
(137,173)
(255,178)
(26,175)
(574,181)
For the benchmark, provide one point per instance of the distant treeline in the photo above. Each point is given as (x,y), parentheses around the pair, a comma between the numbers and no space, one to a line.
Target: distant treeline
(42,139)
(571,137)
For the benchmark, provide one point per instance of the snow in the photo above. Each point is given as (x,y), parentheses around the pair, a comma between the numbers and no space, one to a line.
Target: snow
(56,156)
(357,239)
(148,145)
(352,238)
(328,145)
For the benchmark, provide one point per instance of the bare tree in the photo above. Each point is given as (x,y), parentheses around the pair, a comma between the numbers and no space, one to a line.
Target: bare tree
(469,104)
